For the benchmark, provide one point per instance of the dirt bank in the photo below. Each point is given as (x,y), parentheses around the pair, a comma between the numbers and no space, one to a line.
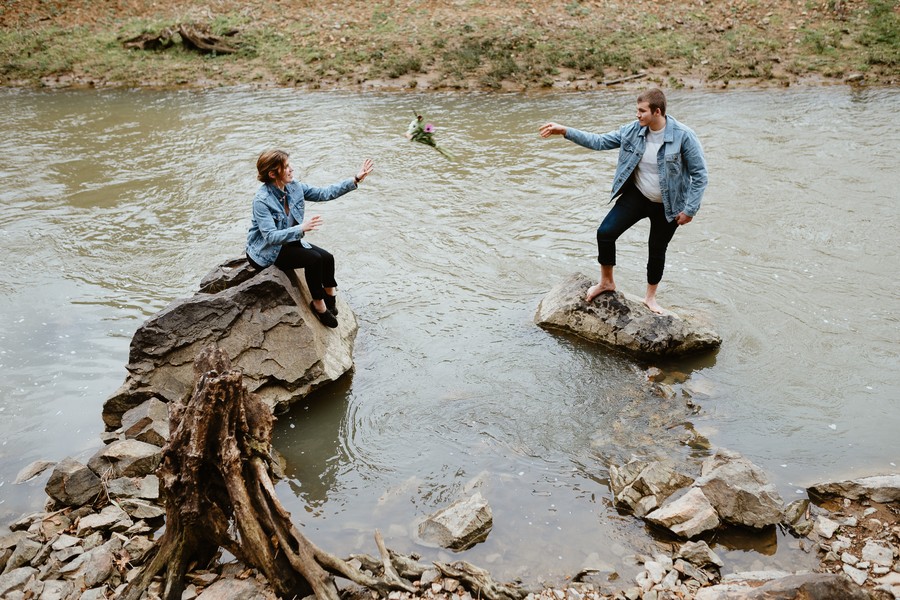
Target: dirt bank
(455,44)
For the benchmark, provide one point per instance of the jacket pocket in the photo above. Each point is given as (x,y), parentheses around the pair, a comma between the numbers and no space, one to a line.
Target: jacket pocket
(673,164)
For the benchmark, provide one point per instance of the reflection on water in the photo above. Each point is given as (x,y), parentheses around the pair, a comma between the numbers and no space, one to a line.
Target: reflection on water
(140,194)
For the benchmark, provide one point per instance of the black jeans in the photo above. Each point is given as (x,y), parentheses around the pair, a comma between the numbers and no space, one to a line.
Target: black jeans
(317,265)
(631,207)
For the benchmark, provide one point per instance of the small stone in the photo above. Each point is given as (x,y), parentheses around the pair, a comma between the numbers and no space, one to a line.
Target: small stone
(849,559)
(825,527)
(858,576)
(878,553)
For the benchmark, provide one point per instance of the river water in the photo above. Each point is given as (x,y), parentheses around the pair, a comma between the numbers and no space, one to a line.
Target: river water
(115,203)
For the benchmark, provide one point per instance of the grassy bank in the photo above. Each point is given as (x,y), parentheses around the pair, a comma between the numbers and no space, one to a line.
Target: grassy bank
(466,44)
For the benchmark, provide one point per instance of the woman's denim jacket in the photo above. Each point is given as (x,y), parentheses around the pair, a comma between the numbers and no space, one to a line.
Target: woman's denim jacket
(682,168)
(269,225)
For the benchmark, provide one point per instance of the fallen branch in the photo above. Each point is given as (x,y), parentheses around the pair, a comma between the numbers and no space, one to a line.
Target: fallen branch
(192,37)
(624,79)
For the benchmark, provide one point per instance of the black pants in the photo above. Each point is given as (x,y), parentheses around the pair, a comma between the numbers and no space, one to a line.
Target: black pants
(631,207)
(317,265)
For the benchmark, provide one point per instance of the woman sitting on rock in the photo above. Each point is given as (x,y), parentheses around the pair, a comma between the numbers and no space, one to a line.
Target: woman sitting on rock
(278,226)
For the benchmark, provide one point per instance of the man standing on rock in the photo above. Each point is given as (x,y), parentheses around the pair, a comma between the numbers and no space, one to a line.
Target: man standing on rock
(661,175)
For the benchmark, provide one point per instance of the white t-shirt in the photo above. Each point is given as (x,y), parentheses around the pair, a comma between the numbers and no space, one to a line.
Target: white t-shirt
(646,176)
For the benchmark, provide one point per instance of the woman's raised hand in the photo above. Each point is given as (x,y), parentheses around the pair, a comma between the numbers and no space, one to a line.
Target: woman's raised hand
(366,168)
(311,223)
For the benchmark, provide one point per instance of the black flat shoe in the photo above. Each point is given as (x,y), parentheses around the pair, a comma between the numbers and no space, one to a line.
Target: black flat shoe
(326,318)
(331,304)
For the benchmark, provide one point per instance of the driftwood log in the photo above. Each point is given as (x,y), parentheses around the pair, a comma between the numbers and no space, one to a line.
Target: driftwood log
(216,482)
(193,37)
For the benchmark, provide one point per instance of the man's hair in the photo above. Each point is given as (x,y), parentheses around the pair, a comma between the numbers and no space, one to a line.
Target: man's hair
(655,98)
(271,160)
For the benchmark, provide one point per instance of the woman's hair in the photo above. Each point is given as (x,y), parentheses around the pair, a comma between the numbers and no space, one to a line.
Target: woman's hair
(271,160)
(655,98)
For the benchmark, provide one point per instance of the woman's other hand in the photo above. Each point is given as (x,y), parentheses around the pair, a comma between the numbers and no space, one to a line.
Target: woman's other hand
(311,223)
(364,171)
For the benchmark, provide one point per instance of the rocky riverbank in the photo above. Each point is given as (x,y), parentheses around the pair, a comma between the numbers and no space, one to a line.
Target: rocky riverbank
(433,45)
(102,518)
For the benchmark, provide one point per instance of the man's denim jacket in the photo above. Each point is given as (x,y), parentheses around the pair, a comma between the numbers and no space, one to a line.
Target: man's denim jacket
(682,168)
(269,226)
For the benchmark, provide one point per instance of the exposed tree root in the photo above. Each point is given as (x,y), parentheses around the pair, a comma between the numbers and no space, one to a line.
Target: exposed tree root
(216,483)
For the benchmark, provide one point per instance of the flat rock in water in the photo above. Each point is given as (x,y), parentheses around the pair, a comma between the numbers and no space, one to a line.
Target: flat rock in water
(879,488)
(622,321)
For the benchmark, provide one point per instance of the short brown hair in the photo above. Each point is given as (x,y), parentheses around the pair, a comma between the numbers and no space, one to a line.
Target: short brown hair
(655,98)
(271,160)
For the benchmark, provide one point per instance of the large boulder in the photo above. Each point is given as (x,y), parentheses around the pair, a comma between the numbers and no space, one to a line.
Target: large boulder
(261,320)
(622,321)
(73,484)
(740,491)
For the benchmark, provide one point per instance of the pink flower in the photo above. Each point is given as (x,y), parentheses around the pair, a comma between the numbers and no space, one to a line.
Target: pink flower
(429,128)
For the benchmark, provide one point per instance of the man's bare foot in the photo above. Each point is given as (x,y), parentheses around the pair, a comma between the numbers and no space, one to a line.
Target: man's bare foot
(596,290)
(655,307)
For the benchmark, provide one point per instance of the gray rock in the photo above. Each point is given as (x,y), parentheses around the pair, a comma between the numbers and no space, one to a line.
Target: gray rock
(134,487)
(55,589)
(140,509)
(25,550)
(72,483)
(791,587)
(878,552)
(105,519)
(699,554)
(642,486)
(263,323)
(15,580)
(621,321)
(126,458)
(67,554)
(859,576)
(92,568)
(825,527)
(33,470)
(235,589)
(687,516)
(740,491)
(94,594)
(138,547)
(459,526)
(147,422)
(692,572)
(65,541)
(880,488)
(10,540)
(796,517)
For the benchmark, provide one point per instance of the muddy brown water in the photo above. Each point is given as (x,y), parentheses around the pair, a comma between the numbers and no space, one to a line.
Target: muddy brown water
(115,203)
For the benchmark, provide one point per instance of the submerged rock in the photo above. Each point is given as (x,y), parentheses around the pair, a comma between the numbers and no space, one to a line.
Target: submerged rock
(262,320)
(622,322)
(460,525)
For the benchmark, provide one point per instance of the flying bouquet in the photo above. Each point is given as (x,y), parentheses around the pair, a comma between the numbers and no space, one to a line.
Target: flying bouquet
(422,132)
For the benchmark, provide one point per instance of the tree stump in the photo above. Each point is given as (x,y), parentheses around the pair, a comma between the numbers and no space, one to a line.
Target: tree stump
(216,484)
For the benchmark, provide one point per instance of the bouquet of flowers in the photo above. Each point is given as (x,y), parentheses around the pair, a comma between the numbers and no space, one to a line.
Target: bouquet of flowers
(419,131)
